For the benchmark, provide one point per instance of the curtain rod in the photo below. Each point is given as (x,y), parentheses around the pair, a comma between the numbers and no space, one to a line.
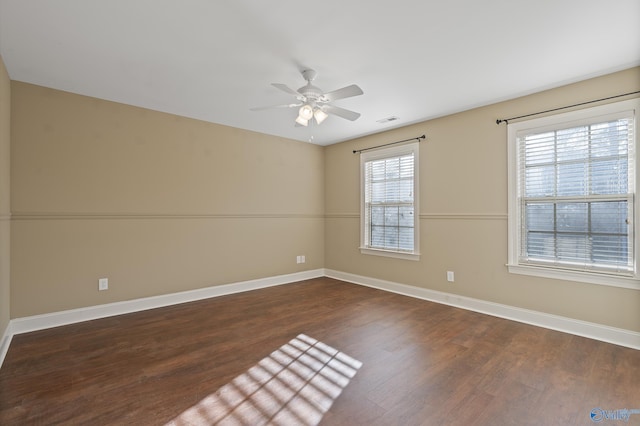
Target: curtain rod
(506,120)
(356,151)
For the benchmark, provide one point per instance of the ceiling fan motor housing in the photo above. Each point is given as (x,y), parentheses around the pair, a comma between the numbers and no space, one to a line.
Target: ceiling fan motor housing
(311,93)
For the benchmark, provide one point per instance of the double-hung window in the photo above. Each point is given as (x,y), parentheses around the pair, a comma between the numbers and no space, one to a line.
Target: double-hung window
(389,202)
(572,196)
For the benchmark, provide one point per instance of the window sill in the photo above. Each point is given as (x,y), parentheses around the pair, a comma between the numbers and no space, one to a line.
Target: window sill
(586,277)
(388,253)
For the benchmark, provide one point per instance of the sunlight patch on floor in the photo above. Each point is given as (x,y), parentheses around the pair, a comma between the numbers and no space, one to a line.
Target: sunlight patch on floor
(295,385)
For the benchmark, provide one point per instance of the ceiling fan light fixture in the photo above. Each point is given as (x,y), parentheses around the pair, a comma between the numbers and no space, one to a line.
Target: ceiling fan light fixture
(302,121)
(320,115)
(305,112)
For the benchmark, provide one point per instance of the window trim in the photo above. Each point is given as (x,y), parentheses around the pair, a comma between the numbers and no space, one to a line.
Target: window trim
(378,154)
(552,271)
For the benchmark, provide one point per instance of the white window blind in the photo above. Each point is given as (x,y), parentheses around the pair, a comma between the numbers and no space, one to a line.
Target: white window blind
(576,188)
(389,200)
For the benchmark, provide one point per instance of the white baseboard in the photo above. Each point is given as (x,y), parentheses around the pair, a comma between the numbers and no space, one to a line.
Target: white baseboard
(56,319)
(617,336)
(5,342)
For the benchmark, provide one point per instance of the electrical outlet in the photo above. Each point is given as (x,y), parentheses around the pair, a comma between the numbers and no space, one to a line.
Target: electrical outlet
(301,259)
(103,284)
(450,276)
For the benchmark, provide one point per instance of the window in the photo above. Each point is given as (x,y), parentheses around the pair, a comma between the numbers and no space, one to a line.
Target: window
(389,202)
(572,196)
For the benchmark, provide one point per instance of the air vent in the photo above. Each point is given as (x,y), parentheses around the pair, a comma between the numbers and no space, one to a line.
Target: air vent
(387,119)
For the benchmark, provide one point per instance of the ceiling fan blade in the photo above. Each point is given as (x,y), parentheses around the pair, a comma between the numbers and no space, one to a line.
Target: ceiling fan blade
(286,89)
(275,106)
(341,112)
(345,92)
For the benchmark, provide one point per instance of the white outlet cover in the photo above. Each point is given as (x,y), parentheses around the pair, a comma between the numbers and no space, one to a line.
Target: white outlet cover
(103,284)
(450,276)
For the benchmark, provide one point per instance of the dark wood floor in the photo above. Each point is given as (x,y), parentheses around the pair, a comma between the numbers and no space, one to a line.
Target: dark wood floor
(422,363)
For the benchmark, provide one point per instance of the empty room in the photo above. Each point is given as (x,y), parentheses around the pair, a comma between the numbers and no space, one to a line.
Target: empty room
(337,213)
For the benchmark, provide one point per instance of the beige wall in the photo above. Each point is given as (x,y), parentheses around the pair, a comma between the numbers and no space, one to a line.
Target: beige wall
(5,207)
(155,202)
(463,212)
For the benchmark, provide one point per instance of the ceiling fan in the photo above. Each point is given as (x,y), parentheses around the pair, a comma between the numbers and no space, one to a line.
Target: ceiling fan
(314,103)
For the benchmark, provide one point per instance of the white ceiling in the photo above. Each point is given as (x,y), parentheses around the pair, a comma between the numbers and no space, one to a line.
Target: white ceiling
(415,59)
